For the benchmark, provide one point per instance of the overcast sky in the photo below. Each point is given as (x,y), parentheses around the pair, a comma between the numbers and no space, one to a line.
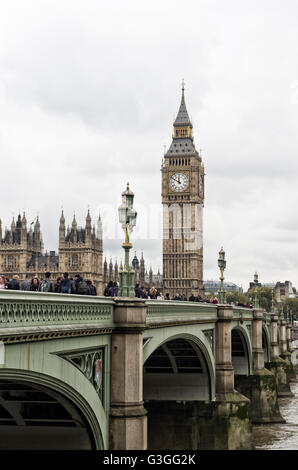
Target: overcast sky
(88,93)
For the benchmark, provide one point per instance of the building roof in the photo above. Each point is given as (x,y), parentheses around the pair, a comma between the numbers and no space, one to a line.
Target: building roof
(81,237)
(182,147)
(182,118)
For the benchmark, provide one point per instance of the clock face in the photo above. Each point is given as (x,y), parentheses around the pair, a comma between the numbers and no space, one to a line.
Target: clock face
(178,182)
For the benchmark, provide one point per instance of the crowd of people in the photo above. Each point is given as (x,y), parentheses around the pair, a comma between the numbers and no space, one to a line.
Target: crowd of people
(78,285)
(62,285)
(111,290)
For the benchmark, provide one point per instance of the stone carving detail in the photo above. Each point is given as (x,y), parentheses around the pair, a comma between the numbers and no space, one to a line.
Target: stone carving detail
(90,363)
(210,336)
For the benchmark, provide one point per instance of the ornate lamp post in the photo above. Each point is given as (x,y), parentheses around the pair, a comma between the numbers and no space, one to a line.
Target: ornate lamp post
(127,218)
(256,303)
(272,302)
(222,266)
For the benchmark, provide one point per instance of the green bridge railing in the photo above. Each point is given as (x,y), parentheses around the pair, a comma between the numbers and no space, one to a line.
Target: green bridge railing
(20,309)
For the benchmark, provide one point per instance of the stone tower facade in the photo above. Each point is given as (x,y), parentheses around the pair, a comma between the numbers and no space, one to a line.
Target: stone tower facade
(80,251)
(20,248)
(183,201)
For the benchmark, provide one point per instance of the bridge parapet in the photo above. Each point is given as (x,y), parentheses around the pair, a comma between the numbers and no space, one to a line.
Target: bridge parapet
(242,314)
(24,313)
(169,312)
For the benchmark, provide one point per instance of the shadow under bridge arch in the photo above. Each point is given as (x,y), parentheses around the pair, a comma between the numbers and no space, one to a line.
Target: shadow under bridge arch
(36,416)
(180,369)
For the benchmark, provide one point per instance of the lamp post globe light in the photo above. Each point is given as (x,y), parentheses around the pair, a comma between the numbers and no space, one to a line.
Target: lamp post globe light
(256,303)
(222,266)
(127,218)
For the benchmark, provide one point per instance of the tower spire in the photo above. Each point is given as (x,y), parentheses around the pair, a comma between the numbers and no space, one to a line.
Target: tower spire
(182,118)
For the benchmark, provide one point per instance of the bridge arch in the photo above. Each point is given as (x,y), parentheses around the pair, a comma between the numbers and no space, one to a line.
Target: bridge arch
(45,406)
(186,363)
(241,351)
(266,343)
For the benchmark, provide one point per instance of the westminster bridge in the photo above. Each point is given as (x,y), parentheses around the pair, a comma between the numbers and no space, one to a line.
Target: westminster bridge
(84,372)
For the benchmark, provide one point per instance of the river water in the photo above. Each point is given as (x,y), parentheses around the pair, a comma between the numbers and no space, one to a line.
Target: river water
(280,436)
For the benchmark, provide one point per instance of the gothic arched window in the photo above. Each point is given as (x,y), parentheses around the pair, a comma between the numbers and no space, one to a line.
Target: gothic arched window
(75,261)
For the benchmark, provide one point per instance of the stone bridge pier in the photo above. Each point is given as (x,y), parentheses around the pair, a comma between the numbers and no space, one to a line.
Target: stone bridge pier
(128,420)
(260,387)
(280,363)
(225,422)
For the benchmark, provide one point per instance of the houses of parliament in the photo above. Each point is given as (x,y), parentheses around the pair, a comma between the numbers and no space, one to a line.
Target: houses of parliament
(80,249)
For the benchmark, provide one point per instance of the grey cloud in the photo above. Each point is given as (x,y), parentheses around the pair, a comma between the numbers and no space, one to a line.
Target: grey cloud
(87,97)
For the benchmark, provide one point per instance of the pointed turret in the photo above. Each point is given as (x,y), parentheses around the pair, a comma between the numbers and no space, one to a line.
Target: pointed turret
(74,224)
(88,227)
(88,219)
(142,270)
(24,221)
(99,228)
(24,229)
(13,225)
(150,277)
(19,222)
(36,236)
(62,228)
(182,118)
(105,271)
(116,275)
(37,225)
(111,275)
(182,144)
(74,227)
(30,238)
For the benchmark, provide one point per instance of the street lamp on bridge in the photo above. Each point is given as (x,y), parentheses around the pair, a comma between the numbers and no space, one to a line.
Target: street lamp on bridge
(256,303)
(222,266)
(127,218)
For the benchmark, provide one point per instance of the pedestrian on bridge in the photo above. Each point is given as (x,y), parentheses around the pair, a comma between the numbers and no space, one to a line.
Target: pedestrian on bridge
(91,288)
(2,282)
(65,285)
(26,283)
(14,283)
(46,284)
(34,284)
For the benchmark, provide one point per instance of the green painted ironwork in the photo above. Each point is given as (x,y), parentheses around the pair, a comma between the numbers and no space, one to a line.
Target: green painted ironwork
(127,217)
(39,310)
(222,295)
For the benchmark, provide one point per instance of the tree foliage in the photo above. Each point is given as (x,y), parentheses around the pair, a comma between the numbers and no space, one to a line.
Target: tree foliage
(237,297)
(291,305)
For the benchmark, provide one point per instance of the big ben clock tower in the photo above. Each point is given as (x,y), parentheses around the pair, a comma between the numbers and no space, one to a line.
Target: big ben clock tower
(183,201)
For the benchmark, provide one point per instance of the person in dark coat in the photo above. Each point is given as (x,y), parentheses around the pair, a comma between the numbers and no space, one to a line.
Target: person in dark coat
(34,284)
(108,290)
(115,289)
(14,283)
(137,291)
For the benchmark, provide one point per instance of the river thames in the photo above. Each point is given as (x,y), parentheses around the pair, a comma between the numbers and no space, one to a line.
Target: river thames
(282,436)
